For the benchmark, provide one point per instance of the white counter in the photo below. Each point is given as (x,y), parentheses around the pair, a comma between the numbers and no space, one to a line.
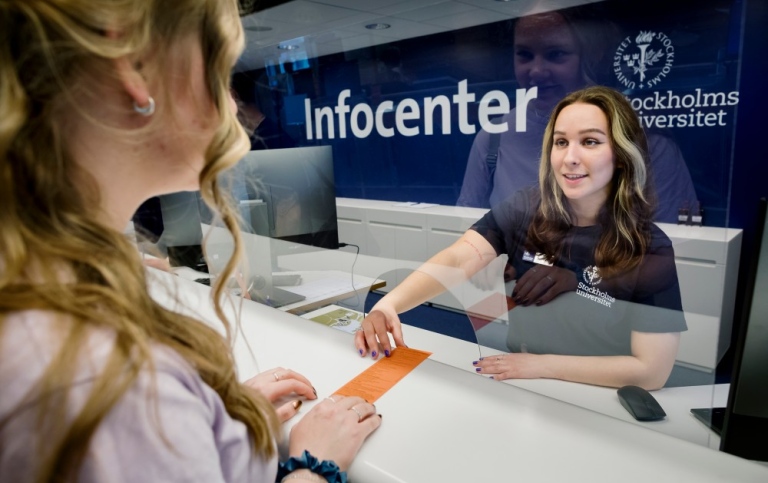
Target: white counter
(445,424)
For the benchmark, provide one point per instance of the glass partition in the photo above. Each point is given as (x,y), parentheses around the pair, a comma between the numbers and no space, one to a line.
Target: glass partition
(433,115)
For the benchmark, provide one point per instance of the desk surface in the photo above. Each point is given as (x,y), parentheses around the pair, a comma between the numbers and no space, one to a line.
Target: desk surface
(446,424)
(334,285)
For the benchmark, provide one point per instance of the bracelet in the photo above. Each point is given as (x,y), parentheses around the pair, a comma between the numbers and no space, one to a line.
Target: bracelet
(327,469)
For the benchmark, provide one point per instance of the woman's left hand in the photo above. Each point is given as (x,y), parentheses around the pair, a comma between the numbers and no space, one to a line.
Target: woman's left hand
(511,366)
(278,383)
(541,284)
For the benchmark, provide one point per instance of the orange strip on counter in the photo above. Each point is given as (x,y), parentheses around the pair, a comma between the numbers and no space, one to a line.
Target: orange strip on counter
(373,382)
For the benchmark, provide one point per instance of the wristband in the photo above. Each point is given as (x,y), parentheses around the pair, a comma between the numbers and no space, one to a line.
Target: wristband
(327,469)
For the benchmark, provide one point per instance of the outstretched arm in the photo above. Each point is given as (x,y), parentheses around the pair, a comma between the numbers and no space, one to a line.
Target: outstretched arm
(649,366)
(457,263)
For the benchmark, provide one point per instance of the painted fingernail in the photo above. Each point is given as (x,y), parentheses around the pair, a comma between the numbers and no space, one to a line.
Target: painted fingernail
(478,369)
(381,417)
(490,377)
(482,358)
(373,354)
(360,351)
(474,363)
(314,391)
(296,404)
(386,353)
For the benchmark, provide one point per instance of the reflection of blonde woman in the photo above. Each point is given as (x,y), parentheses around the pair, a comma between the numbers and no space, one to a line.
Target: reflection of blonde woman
(105,104)
(558,52)
(597,295)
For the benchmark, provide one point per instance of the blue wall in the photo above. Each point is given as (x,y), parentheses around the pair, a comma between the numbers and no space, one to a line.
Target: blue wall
(708,52)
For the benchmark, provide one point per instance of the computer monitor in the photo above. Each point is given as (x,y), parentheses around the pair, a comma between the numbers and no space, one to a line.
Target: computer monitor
(743,423)
(171,223)
(746,415)
(293,197)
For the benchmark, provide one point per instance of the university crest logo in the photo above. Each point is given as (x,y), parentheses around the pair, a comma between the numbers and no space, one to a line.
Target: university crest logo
(644,61)
(592,275)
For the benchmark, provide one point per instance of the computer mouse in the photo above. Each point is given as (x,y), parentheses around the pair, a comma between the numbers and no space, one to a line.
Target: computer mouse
(640,404)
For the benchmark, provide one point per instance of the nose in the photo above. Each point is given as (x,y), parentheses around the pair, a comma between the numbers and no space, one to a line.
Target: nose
(571,155)
(538,70)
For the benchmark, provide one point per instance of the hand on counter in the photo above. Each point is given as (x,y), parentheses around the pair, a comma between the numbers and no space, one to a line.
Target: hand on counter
(335,429)
(279,383)
(373,336)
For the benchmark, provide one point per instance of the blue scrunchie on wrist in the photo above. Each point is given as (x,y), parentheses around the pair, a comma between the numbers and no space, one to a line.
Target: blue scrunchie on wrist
(327,469)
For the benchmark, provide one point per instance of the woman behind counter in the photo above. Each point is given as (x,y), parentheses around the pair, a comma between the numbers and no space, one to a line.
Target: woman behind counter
(596,288)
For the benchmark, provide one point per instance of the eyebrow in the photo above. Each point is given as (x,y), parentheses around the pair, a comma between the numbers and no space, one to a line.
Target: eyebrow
(583,131)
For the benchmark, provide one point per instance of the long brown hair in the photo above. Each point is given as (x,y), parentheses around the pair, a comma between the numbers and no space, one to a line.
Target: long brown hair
(55,254)
(626,215)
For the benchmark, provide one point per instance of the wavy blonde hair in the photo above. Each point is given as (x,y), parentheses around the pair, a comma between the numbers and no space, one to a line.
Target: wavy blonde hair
(626,215)
(49,52)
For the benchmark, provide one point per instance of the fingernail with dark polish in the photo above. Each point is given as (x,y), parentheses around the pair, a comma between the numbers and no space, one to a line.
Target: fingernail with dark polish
(474,363)
(296,404)
(373,354)
(386,353)
(482,358)
(381,417)
(478,369)
(361,351)
(314,391)
(490,377)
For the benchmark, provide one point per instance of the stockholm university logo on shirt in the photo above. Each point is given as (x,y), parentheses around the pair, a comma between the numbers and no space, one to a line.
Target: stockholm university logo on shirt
(588,290)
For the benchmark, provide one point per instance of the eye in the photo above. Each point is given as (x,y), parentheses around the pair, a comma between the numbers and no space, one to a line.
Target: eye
(591,142)
(561,143)
(522,55)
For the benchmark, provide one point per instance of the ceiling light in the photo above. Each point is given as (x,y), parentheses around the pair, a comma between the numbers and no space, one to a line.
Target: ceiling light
(377,26)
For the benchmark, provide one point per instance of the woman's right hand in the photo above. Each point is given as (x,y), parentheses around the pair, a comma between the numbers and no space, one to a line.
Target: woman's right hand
(335,429)
(374,334)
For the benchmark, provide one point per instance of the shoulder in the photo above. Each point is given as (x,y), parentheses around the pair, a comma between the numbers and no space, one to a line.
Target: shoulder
(659,239)
(168,419)
(518,208)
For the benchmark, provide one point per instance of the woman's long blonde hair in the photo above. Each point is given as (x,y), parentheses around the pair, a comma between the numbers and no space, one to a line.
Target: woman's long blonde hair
(626,216)
(54,253)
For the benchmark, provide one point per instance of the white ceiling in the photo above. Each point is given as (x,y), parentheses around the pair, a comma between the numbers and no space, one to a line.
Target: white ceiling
(322,27)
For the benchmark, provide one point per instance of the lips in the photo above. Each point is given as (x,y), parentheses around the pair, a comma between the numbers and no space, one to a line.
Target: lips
(574,177)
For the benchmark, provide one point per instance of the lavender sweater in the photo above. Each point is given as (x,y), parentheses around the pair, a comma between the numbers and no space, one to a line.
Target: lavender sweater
(190,437)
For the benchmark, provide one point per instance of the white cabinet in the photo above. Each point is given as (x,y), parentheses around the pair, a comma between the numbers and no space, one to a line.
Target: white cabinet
(707,260)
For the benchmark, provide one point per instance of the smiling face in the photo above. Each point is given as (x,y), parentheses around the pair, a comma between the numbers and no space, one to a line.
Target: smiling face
(582,159)
(548,56)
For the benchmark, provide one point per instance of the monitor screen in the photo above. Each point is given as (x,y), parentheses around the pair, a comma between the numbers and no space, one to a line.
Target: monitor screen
(290,194)
(746,416)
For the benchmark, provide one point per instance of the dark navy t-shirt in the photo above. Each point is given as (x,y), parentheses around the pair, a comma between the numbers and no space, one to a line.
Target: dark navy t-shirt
(599,317)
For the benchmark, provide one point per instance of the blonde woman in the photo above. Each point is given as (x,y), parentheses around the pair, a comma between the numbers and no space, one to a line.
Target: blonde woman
(596,289)
(104,104)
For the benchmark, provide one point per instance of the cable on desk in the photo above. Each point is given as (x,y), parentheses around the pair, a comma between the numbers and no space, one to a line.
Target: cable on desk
(352,271)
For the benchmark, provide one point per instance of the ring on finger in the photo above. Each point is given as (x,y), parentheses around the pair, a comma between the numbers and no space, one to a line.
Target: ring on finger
(359,415)
(277,377)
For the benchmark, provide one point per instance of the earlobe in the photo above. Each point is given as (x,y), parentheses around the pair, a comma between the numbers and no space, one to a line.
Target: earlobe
(135,85)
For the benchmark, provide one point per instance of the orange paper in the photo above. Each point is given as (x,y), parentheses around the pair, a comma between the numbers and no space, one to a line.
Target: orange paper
(373,382)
